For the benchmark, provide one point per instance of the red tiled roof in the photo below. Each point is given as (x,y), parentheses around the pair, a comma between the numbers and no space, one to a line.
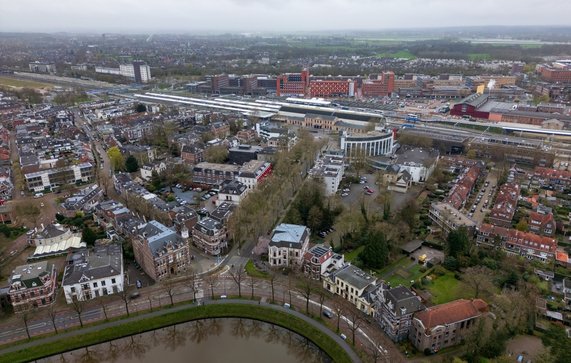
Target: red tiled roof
(552,173)
(522,239)
(562,256)
(452,312)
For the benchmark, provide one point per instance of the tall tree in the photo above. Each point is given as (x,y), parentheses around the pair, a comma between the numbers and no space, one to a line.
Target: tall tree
(376,252)
(216,154)
(116,158)
(131,164)
(458,242)
(238,273)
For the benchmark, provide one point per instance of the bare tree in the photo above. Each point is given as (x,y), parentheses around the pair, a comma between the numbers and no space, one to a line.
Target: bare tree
(272,282)
(321,296)
(339,308)
(480,279)
(210,280)
(26,315)
(252,284)
(192,282)
(238,274)
(169,287)
(53,315)
(305,288)
(77,306)
(355,318)
(124,294)
(103,303)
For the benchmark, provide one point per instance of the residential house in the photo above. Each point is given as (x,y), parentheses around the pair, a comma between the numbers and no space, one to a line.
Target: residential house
(319,259)
(160,251)
(395,309)
(32,286)
(352,284)
(93,273)
(254,172)
(460,192)
(288,244)
(214,174)
(445,325)
(527,244)
(148,169)
(553,178)
(505,205)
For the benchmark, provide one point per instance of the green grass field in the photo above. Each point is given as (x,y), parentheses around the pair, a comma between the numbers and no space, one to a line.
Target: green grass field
(446,288)
(352,256)
(400,54)
(251,270)
(21,83)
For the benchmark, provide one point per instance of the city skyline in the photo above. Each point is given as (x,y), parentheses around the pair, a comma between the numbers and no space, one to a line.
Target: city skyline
(128,16)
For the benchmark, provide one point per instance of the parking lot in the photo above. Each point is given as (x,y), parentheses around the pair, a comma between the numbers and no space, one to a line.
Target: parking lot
(484,199)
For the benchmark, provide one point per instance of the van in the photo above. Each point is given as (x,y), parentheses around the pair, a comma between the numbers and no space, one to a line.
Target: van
(343,336)
(287,306)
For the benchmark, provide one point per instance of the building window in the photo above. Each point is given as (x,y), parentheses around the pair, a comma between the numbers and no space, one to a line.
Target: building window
(113,281)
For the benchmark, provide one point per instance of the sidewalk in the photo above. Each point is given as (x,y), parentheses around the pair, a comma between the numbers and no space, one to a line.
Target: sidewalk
(47,340)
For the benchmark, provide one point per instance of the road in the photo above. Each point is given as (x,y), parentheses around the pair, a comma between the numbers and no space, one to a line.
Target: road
(367,336)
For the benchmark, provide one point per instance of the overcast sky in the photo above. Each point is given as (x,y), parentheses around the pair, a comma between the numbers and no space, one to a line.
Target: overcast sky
(133,16)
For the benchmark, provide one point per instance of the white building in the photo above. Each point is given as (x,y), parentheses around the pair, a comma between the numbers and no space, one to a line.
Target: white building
(374,143)
(93,273)
(253,172)
(418,162)
(231,191)
(46,179)
(288,245)
(147,170)
(330,170)
(137,71)
(353,284)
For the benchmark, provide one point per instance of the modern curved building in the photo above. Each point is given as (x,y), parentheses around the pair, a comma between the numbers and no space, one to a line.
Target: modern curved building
(374,143)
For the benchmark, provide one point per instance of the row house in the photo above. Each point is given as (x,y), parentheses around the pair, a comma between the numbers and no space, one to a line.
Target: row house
(557,179)
(214,174)
(33,286)
(463,188)
(542,223)
(93,273)
(288,244)
(527,244)
(505,205)
(353,285)
(395,308)
(160,251)
(445,325)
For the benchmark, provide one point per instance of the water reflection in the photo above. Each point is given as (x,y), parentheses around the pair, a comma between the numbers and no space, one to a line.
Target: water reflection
(206,341)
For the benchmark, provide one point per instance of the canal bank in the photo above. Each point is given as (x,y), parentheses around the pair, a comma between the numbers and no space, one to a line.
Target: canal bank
(292,320)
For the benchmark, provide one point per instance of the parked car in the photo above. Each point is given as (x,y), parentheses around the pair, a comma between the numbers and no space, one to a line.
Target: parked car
(327,313)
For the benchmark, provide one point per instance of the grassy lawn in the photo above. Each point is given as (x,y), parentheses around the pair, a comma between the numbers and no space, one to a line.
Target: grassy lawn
(400,54)
(251,270)
(446,288)
(352,256)
(404,276)
(283,319)
(21,83)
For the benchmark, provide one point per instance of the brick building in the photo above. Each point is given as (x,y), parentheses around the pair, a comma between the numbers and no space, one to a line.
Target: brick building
(332,88)
(33,286)
(293,84)
(505,205)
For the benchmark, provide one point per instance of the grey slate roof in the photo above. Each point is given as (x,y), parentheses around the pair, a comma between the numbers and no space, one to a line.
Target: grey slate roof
(100,262)
(354,276)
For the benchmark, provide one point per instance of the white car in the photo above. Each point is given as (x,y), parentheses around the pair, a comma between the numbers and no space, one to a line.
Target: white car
(344,194)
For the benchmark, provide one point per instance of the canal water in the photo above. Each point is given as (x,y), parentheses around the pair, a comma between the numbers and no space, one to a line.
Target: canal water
(203,341)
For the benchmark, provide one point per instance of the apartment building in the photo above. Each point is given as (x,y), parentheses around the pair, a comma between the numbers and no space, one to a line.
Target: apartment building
(92,273)
(449,218)
(329,169)
(395,312)
(293,84)
(319,260)
(253,172)
(210,236)
(50,178)
(33,286)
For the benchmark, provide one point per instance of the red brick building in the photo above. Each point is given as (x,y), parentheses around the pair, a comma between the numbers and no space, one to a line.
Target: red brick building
(505,205)
(542,223)
(293,84)
(331,88)
(379,87)
(560,75)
